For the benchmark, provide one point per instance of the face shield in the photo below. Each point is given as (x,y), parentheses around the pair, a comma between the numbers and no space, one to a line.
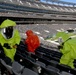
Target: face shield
(7,32)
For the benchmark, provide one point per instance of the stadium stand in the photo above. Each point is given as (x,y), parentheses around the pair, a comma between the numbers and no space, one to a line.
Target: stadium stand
(45,19)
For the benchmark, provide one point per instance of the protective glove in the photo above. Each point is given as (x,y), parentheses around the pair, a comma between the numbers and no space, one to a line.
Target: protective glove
(15,46)
(60,47)
(6,45)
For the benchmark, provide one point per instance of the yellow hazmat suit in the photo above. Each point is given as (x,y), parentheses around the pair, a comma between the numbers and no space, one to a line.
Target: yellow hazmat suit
(15,39)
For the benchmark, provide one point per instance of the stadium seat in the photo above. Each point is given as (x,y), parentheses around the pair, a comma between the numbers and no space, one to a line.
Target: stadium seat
(65,73)
(41,63)
(27,71)
(17,68)
(53,68)
(7,67)
(66,68)
(53,63)
(50,71)
(36,67)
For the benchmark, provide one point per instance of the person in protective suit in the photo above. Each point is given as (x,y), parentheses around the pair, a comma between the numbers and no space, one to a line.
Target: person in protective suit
(32,41)
(9,39)
(68,50)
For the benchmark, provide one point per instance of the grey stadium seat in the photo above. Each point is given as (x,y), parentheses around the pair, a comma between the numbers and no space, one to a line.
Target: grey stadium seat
(6,66)
(65,73)
(41,63)
(17,68)
(28,72)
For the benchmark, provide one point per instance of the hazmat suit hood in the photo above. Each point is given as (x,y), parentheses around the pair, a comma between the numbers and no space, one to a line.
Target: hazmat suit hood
(29,32)
(64,35)
(7,23)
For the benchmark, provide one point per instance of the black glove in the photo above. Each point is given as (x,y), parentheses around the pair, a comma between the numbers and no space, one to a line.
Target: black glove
(6,45)
(2,54)
(60,47)
(63,44)
(8,60)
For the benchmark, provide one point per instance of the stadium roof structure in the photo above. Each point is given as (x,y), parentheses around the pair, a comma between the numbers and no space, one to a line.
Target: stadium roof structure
(61,2)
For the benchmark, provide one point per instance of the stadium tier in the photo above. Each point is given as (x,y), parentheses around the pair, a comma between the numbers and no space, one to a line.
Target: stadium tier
(45,18)
(33,9)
